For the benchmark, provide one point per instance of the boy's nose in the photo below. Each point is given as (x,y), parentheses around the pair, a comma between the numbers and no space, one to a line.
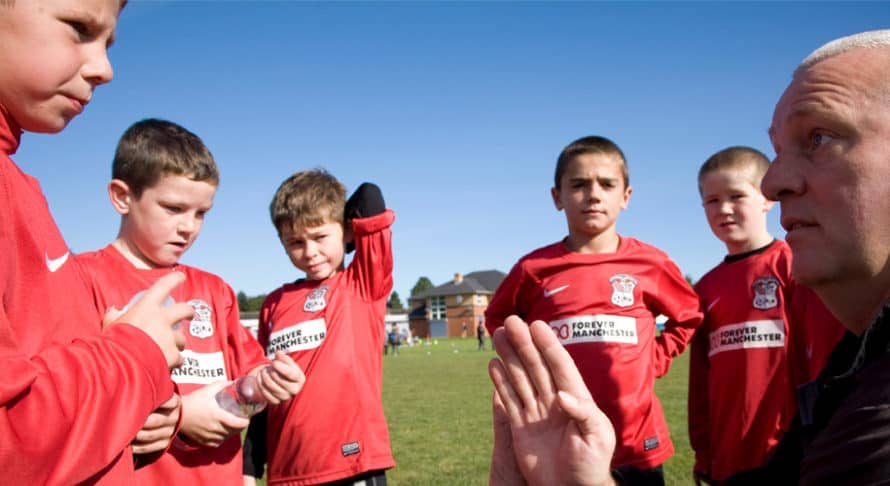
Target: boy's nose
(97,67)
(188,225)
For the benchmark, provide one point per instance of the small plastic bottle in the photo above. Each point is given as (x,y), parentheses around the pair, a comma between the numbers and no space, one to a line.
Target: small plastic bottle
(242,397)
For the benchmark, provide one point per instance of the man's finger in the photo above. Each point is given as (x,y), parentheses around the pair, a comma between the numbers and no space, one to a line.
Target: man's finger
(561,367)
(511,402)
(530,355)
(505,344)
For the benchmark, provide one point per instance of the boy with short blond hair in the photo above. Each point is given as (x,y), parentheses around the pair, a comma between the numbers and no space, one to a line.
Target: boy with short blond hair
(600,293)
(329,322)
(73,396)
(164,180)
(763,334)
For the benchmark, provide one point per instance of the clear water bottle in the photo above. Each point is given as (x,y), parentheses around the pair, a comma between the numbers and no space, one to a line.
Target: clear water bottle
(242,398)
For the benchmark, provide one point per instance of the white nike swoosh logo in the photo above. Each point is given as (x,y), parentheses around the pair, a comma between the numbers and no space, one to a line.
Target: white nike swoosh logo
(549,293)
(712,304)
(54,264)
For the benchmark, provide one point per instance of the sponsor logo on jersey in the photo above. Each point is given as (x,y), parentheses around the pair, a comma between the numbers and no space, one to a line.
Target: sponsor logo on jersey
(549,293)
(53,264)
(202,322)
(350,449)
(315,300)
(650,443)
(765,292)
(768,333)
(200,368)
(595,329)
(622,289)
(298,337)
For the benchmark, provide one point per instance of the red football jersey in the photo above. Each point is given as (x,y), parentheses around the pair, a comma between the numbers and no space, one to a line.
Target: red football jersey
(763,335)
(62,416)
(602,308)
(335,427)
(218,348)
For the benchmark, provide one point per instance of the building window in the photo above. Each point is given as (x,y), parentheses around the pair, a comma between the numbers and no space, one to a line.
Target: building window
(437,307)
(480,300)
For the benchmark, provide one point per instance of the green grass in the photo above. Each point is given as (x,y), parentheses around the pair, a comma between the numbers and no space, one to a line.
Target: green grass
(438,403)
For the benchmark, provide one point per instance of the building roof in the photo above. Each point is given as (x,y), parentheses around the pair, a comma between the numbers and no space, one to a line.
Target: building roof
(482,282)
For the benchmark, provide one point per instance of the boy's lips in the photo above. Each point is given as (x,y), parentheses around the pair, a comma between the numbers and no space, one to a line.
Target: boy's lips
(78,103)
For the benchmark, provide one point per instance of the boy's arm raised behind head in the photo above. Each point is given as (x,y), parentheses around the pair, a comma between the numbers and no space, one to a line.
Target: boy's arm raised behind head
(371,269)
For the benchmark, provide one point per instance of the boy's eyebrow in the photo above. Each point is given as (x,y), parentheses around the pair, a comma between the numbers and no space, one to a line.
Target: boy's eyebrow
(92,21)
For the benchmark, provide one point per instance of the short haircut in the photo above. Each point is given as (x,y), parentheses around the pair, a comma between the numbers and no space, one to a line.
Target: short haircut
(736,158)
(862,40)
(308,198)
(589,145)
(151,149)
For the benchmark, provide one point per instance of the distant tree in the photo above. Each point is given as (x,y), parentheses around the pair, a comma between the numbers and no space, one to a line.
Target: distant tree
(423,283)
(690,279)
(255,303)
(243,303)
(395,303)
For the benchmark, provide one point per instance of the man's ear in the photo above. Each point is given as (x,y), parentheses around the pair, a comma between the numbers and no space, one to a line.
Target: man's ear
(554,192)
(120,195)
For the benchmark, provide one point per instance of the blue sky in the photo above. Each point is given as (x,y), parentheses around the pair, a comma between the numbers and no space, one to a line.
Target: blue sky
(456,110)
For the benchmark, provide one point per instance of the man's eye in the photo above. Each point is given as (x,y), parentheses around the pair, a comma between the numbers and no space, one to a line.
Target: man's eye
(818,139)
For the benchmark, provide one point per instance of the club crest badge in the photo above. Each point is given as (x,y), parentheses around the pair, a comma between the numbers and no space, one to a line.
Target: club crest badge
(765,292)
(315,300)
(623,289)
(202,322)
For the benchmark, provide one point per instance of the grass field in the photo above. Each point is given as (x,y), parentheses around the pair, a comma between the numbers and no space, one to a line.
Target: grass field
(438,403)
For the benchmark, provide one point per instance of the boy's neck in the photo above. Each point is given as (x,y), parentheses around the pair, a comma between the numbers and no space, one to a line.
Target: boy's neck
(133,255)
(739,247)
(605,242)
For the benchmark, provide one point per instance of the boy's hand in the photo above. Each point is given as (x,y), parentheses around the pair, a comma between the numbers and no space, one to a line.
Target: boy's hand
(158,321)
(158,430)
(204,422)
(249,481)
(281,379)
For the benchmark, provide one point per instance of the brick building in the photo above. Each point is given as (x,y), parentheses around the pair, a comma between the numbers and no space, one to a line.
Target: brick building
(454,308)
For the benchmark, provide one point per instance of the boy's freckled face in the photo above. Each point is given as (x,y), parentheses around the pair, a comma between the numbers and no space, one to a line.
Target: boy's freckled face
(318,250)
(592,193)
(165,220)
(735,207)
(53,54)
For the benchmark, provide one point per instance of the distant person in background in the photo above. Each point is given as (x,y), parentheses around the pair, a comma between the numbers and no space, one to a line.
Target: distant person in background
(480,335)
(394,339)
(463,329)
(831,134)
(764,334)
(600,292)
